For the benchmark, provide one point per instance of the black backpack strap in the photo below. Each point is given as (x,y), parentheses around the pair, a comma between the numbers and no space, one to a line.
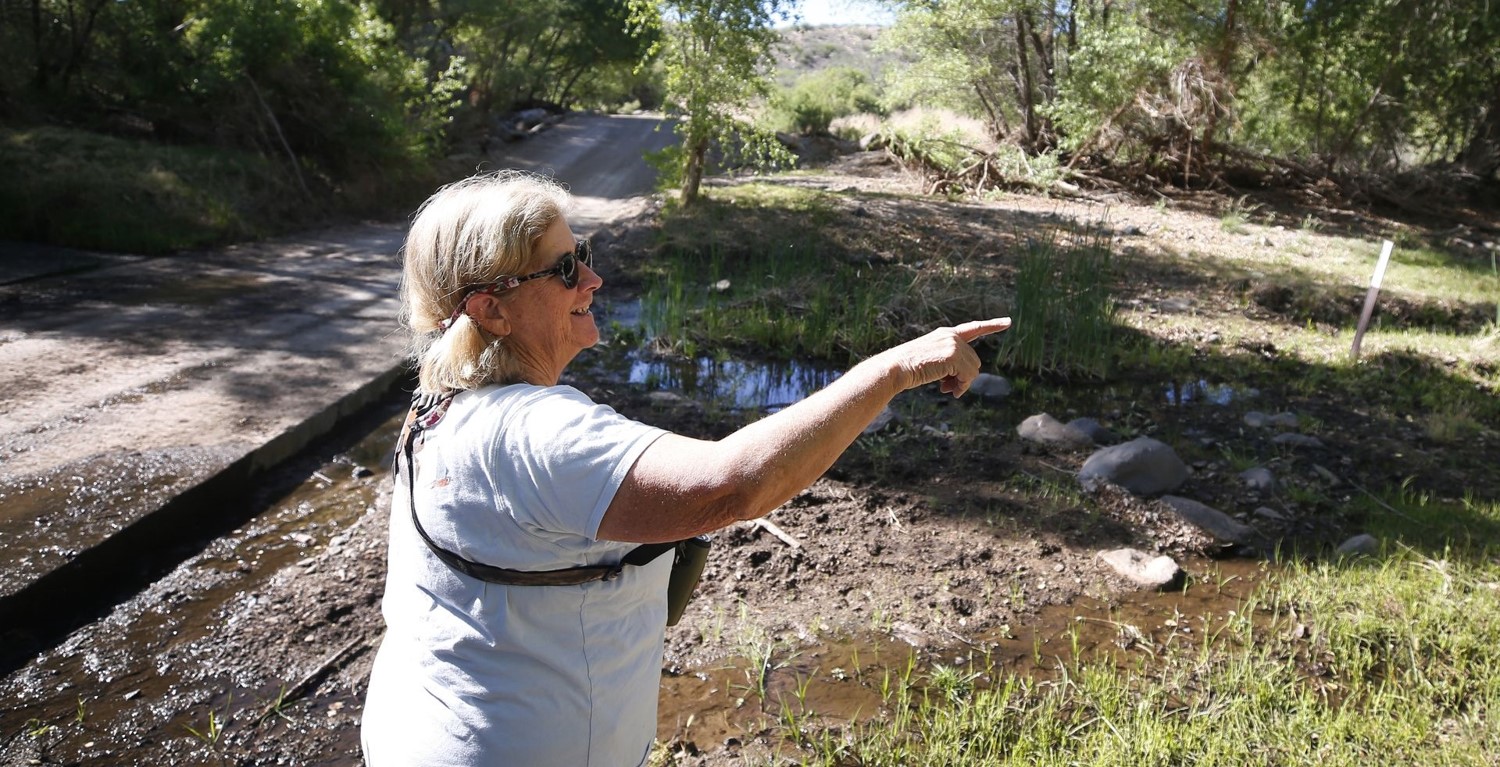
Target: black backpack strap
(426,411)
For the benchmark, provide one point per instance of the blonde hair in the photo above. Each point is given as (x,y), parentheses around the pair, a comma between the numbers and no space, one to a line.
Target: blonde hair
(468,234)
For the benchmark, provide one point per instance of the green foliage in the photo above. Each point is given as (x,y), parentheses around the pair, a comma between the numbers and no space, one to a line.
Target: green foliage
(548,51)
(715,57)
(325,74)
(347,102)
(928,141)
(819,98)
(1110,70)
(1168,84)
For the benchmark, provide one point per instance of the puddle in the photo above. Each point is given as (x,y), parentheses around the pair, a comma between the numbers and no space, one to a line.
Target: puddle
(732,384)
(1203,391)
(716,382)
(76,506)
(844,680)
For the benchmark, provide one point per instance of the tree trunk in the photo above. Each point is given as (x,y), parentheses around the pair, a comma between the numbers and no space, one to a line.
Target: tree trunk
(1024,88)
(39,50)
(692,172)
(1224,60)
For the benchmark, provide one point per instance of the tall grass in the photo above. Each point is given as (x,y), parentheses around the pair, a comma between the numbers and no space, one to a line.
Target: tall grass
(751,270)
(787,301)
(1064,315)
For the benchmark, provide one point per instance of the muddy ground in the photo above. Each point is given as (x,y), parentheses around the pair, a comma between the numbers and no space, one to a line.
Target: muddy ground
(940,537)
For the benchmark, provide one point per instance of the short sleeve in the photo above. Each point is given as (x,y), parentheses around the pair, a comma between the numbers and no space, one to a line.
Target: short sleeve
(567,457)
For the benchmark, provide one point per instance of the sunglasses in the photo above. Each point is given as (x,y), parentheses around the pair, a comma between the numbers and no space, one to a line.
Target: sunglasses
(566,268)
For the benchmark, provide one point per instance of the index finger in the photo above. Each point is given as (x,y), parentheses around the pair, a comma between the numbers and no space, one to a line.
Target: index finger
(970,331)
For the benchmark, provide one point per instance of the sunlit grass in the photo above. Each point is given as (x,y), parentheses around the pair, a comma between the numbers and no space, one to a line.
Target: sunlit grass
(1374,661)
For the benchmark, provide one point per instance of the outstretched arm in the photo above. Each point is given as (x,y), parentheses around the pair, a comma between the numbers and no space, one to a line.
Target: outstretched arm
(681,487)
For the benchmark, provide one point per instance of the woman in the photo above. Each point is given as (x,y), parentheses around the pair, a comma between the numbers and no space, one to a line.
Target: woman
(517,475)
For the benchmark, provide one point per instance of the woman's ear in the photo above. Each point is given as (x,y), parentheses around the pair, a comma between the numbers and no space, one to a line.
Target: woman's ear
(490,313)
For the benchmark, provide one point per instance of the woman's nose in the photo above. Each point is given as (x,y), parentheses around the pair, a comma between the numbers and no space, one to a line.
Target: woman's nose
(588,279)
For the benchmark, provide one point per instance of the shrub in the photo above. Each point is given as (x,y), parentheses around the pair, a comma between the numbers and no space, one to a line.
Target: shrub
(818,99)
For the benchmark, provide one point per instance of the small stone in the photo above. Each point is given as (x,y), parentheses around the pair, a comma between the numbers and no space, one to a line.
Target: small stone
(990,387)
(1260,480)
(1363,544)
(1286,421)
(1293,439)
(1140,568)
(1268,513)
(1210,520)
(1045,430)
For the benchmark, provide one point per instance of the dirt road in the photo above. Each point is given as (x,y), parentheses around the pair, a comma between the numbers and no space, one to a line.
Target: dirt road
(139,397)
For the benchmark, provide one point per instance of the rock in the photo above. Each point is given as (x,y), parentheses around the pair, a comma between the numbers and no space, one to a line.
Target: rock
(530,118)
(1211,520)
(1363,544)
(1176,305)
(1257,420)
(990,387)
(1143,466)
(1096,431)
(1328,476)
(882,419)
(1292,439)
(1270,514)
(1156,573)
(1261,480)
(672,400)
(1045,430)
(1287,421)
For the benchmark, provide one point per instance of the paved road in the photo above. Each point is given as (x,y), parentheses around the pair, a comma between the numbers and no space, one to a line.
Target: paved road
(139,393)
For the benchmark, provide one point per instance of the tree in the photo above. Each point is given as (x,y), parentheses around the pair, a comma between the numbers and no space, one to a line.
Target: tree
(716,55)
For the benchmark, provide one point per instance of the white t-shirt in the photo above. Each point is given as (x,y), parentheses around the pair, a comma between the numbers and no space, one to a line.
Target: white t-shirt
(475,673)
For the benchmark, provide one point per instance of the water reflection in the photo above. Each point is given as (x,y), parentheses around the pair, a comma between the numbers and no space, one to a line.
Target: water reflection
(731,383)
(1203,391)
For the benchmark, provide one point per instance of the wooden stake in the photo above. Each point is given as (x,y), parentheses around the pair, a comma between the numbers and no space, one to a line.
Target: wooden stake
(1370,296)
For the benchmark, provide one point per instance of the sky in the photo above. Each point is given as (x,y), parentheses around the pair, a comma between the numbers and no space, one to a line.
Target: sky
(820,12)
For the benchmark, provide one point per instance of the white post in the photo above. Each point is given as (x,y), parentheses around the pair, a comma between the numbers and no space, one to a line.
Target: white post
(1375,279)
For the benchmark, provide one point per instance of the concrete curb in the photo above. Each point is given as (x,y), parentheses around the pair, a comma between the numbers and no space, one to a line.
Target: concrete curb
(93,581)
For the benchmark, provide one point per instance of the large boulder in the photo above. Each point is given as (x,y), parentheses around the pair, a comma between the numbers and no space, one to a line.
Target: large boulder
(1143,466)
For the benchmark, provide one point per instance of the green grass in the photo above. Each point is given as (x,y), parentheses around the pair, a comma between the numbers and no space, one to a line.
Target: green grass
(1064,314)
(751,268)
(86,190)
(1389,661)
(788,295)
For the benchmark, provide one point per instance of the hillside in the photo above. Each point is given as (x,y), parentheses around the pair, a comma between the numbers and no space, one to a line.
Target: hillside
(809,49)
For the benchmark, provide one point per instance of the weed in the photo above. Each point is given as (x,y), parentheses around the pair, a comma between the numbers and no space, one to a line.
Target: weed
(210,732)
(1237,216)
(213,730)
(36,728)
